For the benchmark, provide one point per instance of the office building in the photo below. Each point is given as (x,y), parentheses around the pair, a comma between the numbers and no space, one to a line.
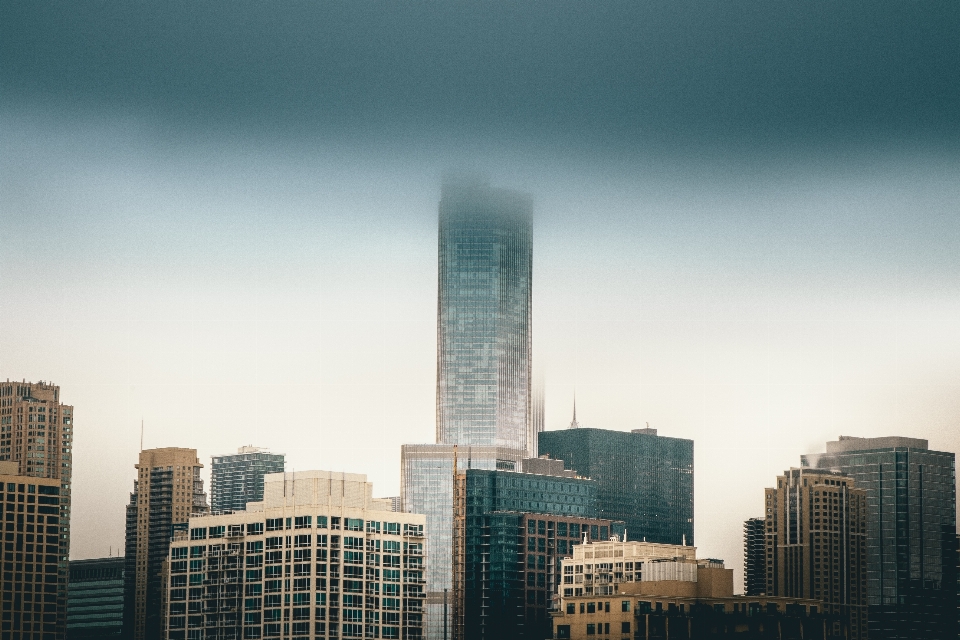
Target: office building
(36,434)
(426,484)
(318,558)
(816,544)
(754,557)
(484,317)
(911,521)
(95,599)
(237,479)
(30,528)
(511,530)
(646,591)
(643,479)
(167,491)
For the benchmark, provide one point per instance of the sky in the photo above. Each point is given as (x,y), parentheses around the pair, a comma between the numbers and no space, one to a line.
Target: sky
(219,219)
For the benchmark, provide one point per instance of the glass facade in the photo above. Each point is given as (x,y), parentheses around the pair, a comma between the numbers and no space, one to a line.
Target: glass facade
(754,557)
(237,479)
(95,599)
(484,316)
(643,479)
(911,532)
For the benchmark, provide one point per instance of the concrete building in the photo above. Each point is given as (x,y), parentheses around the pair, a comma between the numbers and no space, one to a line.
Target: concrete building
(911,521)
(754,557)
(815,534)
(638,590)
(643,479)
(237,479)
(36,435)
(95,599)
(318,558)
(511,530)
(32,594)
(167,491)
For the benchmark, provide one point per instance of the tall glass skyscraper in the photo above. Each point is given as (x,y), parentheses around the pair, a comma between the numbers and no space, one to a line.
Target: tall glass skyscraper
(483,323)
(911,532)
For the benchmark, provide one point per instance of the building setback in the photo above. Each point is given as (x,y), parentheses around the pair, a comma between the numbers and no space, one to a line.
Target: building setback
(31,559)
(643,479)
(754,557)
(95,600)
(911,528)
(318,558)
(36,435)
(237,479)
(511,531)
(167,491)
(816,544)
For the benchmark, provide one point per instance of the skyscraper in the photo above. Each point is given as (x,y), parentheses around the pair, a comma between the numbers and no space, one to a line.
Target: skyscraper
(643,479)
(95,601)
(483,317)
(237,479)
(36,434)
(816,544)
(754,557)
(911,529)
(167,491)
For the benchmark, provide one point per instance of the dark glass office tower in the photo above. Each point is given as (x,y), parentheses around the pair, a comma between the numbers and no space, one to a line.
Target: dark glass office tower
(237,479)
(643,479)
(911,532)
(483,323)
(95,599)
(754,558)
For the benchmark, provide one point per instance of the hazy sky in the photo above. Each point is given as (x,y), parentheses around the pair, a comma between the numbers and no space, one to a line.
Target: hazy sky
(220,218)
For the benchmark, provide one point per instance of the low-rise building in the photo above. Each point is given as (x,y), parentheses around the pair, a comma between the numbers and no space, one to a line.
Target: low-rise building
(318,558)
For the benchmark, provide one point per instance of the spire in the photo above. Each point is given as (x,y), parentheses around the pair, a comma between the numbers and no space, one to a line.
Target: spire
(573,423)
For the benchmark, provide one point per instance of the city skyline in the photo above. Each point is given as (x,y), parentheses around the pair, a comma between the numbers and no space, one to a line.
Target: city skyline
(221,220)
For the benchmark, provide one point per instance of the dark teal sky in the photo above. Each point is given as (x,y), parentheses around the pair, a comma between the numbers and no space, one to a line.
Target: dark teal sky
(221,218)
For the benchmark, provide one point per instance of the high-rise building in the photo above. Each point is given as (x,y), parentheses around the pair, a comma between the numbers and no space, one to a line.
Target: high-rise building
(318,558)
(95,600)
(237,479)
(911,526)
(33,597)
(754,557)
(167,491)
(643,479)
(484,317)
(511,530)
(36,434)
(816,544)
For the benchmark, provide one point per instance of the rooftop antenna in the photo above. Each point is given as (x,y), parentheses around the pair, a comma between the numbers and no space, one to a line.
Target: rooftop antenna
(141,434)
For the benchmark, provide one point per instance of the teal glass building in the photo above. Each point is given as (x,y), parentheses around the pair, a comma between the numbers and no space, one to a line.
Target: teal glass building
(643,479)
(911,532)
(237,479)
(95,599)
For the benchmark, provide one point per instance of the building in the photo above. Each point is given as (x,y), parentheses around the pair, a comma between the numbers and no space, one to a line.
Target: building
(484,317)
(237,479)
(32,593)
(816,544)
(511,531)
(754,557)
(643,479)
(318,558)
(95,599)
(426,484)
(395,503)
(167,491)
(646,591)
(911,520)
(36,434)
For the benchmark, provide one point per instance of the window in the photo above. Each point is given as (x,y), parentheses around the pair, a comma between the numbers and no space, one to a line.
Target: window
(198,534)
(625,605)
(591,629)
(624,627)
(354,524)
(301,541)
(321,522)
(591,607)
(303,522)
(274,524)
(571,608)
(255,529)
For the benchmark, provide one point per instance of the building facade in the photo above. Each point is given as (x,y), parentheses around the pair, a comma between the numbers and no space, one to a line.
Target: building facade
(237,479)
(754,557)
(643,479)
(511,531)
(32,564)
(95,599)
(911,520)
(815,534)
(484,317)
(167,491)
(36,434)
(318,558)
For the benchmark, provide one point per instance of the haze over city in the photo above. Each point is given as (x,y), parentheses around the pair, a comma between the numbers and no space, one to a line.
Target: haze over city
(221,220)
